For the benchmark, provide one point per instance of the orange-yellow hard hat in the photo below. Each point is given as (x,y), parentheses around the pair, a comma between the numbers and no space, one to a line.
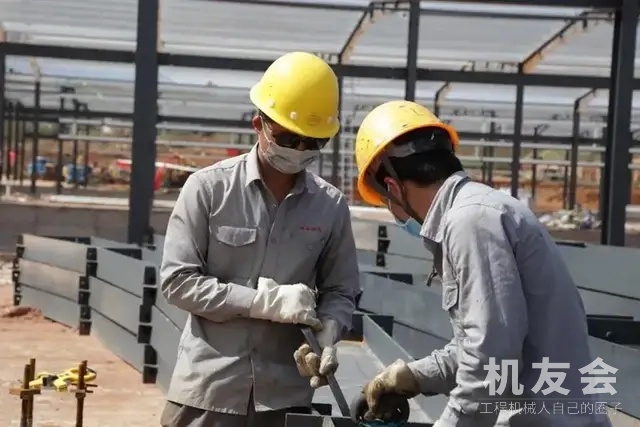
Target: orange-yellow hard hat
(380,128)
(300,92)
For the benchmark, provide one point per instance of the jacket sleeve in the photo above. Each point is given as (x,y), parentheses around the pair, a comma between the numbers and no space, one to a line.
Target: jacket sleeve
(436,373)
(338,279)
(183,270)
(491,309)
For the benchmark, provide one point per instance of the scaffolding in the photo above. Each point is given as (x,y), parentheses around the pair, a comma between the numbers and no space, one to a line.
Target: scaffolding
(543,71)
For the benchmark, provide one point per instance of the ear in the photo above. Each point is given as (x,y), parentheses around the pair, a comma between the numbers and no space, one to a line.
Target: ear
(393,187)
(257,123)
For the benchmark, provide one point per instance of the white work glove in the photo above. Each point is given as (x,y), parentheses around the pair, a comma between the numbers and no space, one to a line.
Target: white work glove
(285,303)
(315,366)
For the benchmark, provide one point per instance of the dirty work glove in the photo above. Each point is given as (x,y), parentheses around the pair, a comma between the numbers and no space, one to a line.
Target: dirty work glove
(316,366)
(284,303)
(395,378)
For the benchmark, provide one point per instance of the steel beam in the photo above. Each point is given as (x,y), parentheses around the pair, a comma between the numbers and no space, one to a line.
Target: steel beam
(617,177)
(297,4)
(145,116)
(8,137)
(59,165)
(35,137)
(567,32)
(369,16)
(579,105)
(2,102)
(413,40)
(442,93)
(517,138)
(344,70)
(605,4)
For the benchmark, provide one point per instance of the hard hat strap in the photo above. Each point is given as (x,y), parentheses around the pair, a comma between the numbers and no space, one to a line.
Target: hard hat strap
(382,190)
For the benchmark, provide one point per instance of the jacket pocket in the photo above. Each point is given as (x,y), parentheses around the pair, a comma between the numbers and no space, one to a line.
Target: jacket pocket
(235,236)
(233,252)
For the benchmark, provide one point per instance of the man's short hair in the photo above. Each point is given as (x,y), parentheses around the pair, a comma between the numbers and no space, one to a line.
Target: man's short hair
(425,168)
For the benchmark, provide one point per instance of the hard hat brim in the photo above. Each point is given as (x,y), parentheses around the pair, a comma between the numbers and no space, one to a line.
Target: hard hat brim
(286,122)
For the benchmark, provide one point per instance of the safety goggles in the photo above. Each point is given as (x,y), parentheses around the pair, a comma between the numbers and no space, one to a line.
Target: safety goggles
(292,140)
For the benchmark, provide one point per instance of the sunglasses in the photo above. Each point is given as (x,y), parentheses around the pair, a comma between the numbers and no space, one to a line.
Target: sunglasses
(292,140)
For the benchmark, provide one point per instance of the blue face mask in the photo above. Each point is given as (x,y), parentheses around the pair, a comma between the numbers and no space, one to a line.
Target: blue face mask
(411,226)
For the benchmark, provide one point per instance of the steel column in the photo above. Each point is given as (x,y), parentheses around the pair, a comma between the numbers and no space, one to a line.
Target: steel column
(8,123)
(517,138)
(19,150)
(617,184)
(573,176)
(75,149)
(85,171)
(336,142)
(23,145)
(145,117)
(59,165)
(413,37)
(35,137)
(2,84)
(534,169)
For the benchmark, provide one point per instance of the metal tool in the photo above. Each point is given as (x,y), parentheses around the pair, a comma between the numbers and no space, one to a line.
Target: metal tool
(394,404)
(310,336)
(62,380)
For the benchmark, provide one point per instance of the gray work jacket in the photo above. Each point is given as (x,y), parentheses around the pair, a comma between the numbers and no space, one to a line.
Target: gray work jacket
(225,232)
(510,297)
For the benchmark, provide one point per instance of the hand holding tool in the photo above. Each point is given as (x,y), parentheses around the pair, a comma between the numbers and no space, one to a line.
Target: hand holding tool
(394,406)
(310,336)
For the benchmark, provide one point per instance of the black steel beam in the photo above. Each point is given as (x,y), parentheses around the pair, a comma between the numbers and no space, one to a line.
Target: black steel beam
(59,165)
(297,4)
(8,139)
(344,70)
(2,85)
(413,39)
(579,104)
(52,115)
(517,138)
(145,116)
(35,137)
(618,177)
(561,36)
(604,4)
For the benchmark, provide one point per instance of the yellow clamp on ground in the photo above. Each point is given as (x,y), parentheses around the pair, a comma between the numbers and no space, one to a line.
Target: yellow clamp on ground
(61,381)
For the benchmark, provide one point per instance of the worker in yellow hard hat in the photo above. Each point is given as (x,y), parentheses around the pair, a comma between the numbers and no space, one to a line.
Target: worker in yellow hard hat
(512,302)
(256,247)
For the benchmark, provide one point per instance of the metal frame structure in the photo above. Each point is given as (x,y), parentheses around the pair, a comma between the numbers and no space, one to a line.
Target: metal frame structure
(147,58)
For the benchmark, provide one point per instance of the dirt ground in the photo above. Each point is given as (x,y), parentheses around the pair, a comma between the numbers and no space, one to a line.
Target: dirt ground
(120,398)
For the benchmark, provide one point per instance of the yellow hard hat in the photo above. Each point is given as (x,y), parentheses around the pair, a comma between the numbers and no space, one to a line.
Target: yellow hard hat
(300,92)
(383,125)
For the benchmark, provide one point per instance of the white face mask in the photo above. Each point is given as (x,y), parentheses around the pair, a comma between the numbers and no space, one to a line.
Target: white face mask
(288,160)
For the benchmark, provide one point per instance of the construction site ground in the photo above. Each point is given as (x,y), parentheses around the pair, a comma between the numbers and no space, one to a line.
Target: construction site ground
(120,398)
